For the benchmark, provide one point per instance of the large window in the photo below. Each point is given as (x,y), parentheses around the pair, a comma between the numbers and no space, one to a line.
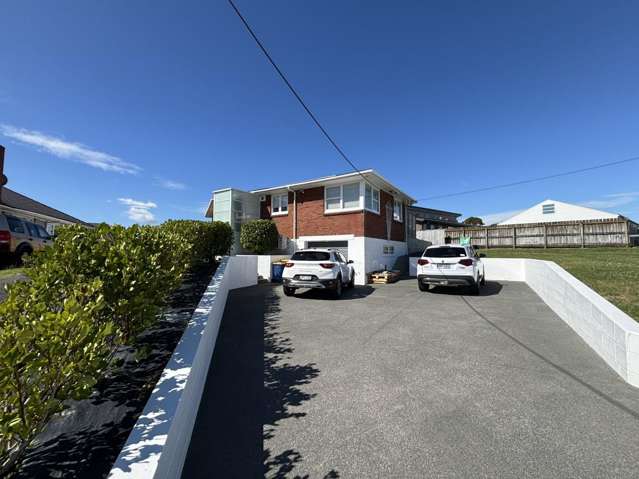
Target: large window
(342,197)
(397,210)
(280,204)
(371,198)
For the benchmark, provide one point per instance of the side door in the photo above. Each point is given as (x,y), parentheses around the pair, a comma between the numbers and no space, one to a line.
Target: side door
(47,239)
(343,267)
(34,236)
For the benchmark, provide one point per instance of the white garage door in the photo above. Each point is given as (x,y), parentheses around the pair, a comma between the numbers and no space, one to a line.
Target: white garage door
(341,246)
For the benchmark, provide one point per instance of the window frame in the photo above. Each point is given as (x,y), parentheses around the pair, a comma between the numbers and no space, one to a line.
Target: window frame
(341,208)
(399,217)
(373,190)
(279,211)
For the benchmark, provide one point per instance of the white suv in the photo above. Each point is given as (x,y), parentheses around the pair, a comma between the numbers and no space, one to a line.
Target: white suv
(320,269)
(451,265)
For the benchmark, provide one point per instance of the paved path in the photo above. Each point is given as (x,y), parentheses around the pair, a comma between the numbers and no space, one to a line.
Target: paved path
(391,382)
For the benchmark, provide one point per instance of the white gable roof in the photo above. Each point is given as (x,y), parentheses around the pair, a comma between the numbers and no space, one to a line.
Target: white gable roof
(551,210)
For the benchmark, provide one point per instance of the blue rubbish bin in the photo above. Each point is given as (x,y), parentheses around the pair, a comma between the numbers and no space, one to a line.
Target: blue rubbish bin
(277,269)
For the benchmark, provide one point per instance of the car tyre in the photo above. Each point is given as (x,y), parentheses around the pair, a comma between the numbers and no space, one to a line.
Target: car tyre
(337,289)
(474,289)
(21,253)
(288,291)
(483,280)
(351,283)
(422,286)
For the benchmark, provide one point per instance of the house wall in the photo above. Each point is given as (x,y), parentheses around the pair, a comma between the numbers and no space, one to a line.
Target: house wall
(375,224)
(313,221)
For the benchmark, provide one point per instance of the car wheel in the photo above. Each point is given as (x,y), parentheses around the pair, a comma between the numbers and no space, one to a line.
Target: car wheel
(474,289)
(422,286)
(288,291)
(483,280)
(351,283)
(337,290)
(21,255)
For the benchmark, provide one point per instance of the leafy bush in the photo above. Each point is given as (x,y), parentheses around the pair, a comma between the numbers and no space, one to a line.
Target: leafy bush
(259,236)
(92,291)
(207,239)
(138,267)
(50,351)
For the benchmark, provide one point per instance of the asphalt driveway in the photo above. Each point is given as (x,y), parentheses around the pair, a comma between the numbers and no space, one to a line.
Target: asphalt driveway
(393,382)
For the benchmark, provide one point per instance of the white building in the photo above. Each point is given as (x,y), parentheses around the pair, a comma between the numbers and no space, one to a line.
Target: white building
(551,211)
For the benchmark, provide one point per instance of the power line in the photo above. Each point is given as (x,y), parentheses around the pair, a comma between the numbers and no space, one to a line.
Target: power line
(294,92)
(531,180)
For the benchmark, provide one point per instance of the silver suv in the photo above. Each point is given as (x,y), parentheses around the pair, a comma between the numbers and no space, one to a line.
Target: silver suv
(20,238)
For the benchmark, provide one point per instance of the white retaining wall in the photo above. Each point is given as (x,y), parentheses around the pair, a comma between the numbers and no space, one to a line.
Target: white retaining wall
(605,328)
(264,262)
(157,445)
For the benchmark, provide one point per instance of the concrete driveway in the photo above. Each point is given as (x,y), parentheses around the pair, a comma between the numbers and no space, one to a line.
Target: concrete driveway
(393,382)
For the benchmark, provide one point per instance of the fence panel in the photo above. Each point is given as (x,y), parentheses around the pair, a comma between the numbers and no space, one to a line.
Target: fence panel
(567,234)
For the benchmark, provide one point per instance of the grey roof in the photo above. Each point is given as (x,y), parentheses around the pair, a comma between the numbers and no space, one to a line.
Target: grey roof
(431,210)
(15,200)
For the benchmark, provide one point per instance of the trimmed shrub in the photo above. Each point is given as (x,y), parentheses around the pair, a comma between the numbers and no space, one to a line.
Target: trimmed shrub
(50,351)
(259,236)
(91,292)
(206,239)
(138,267)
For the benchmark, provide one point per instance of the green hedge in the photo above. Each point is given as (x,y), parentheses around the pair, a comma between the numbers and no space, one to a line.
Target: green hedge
(91,292)
(259,236)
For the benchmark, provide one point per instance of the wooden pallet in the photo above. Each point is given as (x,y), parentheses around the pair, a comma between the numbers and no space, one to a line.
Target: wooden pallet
(383,277)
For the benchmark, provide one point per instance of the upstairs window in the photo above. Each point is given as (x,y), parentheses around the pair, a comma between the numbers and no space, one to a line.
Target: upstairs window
(548,209)
(342,197)
(397,210)
(371,198)
(279,204)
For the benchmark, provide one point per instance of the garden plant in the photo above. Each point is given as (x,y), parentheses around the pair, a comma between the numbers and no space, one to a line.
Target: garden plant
(90,293)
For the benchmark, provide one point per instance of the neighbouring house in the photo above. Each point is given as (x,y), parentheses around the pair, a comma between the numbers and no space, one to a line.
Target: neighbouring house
(552,211)
(16,204)
(362,215)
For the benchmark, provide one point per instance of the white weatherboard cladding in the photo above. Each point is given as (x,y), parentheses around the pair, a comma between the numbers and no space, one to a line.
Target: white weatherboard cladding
(562,212)
(158,443)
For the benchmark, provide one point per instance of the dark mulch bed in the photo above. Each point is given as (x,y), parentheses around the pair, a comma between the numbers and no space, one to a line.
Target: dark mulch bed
(87,438)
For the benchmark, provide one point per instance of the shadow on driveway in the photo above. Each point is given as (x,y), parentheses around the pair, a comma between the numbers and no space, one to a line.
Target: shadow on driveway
(251,386)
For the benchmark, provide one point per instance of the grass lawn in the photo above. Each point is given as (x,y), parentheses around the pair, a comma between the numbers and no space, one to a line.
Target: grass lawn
(6,273)
(612,272)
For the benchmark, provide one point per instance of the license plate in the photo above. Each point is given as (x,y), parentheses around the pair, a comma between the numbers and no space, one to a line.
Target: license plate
(443,266)
(306,278)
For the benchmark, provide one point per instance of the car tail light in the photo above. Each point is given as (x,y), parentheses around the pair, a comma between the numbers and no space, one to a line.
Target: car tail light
(288,265)
(327,265)
(422,261)
(466,262)
(5,237)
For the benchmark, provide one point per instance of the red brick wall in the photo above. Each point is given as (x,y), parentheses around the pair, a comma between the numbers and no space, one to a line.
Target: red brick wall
(375,224)
(312,221)
(285,222)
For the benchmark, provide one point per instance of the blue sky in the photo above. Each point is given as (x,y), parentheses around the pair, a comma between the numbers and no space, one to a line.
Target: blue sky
(135,111)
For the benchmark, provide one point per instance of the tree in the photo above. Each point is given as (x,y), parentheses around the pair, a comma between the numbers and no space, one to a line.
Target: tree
(259,236)
(474,221)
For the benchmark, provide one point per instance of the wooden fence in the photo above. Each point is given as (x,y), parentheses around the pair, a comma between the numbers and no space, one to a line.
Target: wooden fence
(568,234)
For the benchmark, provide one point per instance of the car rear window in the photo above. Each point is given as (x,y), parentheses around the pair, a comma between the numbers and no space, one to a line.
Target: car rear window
(15,225)
(445,252)
(311,256)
